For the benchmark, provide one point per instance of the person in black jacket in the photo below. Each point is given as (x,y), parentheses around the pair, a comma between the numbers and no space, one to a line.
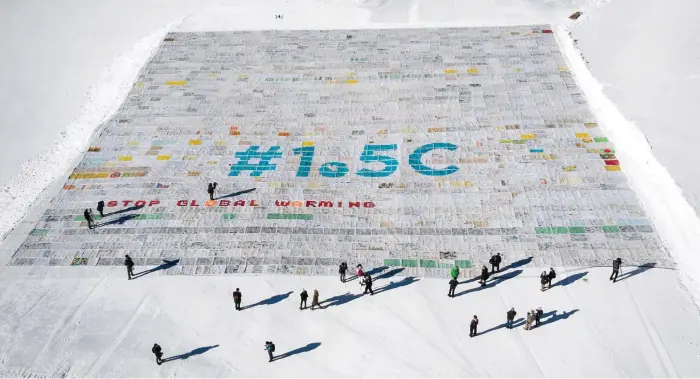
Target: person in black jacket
(270,347)
(368,284)
(544,278)
(158,353)
(538,315)
(552,274)
(101,207)
(88,218)
(237,297)
(342,270)
(484,275)
(495,262)
(453,287)
(472,326)
(616,269)
(304,296)
(510,316)
(129,266)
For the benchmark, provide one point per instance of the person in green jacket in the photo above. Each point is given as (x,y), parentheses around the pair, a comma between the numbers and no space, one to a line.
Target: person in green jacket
(454,272)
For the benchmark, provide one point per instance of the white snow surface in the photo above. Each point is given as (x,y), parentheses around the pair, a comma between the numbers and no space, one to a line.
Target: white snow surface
(92,322)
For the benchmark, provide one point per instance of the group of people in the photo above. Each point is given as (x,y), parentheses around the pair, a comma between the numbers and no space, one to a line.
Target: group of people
(532,318)
(87,214)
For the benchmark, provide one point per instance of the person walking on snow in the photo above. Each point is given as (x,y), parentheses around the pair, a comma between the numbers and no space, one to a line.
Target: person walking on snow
(472,326)
(528,320)
(453,287)
(360,274)
(237,296)
(88,217)
(495,262)
(552,274)
(101,207)
(484,275)
(342,270)
(270,347)
(538,315)
(454,272)
(129,266)
(314,301)
(304,295)
(368,284)
(616,269)
(544,278)
(158,352)
(510,316)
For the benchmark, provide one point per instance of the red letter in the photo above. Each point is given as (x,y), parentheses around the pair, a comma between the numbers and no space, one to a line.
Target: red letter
(253,203)
(140,203)
(281,203)
(112,203)
(354,204)
(369,204)
(153,202)
(194,203)
(325,204)
(224,203)
(239,203)
(182,203)
(310,203)
(126,202)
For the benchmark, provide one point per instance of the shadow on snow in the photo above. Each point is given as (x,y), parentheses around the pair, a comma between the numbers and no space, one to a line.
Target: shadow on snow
(269,301)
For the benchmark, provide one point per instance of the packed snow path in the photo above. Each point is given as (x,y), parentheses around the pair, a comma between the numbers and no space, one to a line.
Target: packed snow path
(414,148)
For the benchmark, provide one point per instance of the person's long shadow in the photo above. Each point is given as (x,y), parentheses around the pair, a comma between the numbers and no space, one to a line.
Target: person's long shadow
(272,300)
(377,270)
(555,317)
(234,194)
(132,208)
(121,220)
(339,300)
(495,281)
(163,266)
(393,285)
(300,350)
(516,323)
(518,263)
(197,351)
(389,273)
(637,271)
(570,279)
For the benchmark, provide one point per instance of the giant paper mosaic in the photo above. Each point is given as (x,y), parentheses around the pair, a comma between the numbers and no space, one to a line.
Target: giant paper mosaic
(418,148)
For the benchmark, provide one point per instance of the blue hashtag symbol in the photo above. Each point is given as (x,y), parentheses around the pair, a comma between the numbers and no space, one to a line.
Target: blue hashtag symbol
(256,169)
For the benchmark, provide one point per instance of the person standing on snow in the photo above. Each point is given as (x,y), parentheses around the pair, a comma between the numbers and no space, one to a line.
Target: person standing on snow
(616,269)
(472,326)
(484,275)
(552,274)
(270,347)
(453,287)
(342,270)
(158,352)
(101,207)
(510,316)
(304,295)
(368,284)
(314,301)
(360,274)
(495,262)
(129,266)
(237,296)
(528,320)
(538,315)
(88,217)
(544,278)
(454,272)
